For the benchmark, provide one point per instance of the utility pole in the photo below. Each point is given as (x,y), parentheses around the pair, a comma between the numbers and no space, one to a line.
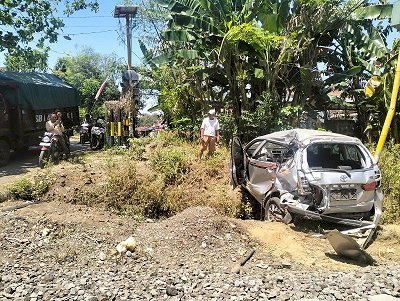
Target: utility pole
(128,12)
(130,79)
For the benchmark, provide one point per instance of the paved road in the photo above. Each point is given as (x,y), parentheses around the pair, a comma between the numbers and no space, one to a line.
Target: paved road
(22,162)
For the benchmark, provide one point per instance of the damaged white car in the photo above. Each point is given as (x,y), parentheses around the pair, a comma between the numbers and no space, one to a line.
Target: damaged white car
(313,174)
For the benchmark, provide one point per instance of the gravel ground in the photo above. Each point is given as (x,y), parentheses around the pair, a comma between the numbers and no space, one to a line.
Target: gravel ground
(187,257)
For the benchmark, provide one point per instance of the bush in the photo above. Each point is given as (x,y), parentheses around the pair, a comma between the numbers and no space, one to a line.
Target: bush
(168,138)
(29,190)
(137,147)
(121,183)
(21,189)
(170,162)
(389,163)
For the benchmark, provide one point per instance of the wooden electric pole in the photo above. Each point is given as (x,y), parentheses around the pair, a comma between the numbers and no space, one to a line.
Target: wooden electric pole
(128,12)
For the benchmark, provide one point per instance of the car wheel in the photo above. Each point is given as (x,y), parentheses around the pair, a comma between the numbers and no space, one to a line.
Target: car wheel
(274,211)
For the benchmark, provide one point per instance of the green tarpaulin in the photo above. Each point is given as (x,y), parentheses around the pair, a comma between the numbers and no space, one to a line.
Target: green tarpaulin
(36,91)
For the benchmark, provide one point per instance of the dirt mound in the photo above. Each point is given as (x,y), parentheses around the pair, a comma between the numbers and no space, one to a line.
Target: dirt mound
(196,234)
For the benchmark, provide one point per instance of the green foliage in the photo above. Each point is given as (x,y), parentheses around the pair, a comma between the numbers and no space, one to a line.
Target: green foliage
(389,163)
(275,47)
(228,127)
(34,21)
(86,72)
(168,138)
(171,163)
(262,121)
(30,189)
(254,36)
(21,189)
(137,147)
(187,128)
(27,60)
(289,117)
(247,208)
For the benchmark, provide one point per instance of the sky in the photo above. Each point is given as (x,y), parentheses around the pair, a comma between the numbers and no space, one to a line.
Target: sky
(100,31)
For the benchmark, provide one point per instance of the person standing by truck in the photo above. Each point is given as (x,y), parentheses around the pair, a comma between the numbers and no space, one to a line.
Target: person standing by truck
(55,126)
(67,124)
(26,100)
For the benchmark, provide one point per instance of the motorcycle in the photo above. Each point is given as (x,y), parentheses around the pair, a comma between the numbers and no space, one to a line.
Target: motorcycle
(97,135)
(84,132)
(51,149)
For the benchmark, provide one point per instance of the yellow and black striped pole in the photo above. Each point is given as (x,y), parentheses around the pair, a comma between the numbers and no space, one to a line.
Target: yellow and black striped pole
(126,129)
(119,133)
(112,127)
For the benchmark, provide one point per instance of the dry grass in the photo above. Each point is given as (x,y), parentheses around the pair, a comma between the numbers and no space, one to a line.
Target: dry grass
(165,179)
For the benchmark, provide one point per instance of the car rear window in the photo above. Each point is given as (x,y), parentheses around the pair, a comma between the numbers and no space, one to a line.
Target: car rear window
(335,155)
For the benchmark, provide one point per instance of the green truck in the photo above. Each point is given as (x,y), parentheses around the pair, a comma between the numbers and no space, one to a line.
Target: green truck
(26,100)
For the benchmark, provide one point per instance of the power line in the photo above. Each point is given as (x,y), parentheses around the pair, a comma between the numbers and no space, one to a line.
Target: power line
(96,26)
(92,32)
(84,17)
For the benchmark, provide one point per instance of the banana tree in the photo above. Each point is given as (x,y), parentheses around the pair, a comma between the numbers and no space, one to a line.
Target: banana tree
(360,52)
(272,45)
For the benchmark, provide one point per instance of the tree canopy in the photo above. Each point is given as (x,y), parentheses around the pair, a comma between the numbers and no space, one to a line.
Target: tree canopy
(34,22)
(247,58)
(86,71)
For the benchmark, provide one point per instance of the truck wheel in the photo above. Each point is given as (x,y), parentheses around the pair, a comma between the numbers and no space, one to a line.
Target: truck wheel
(43,158)
(4,153)
(274,211)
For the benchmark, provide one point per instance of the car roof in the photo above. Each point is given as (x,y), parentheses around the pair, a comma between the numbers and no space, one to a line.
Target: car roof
(305,136)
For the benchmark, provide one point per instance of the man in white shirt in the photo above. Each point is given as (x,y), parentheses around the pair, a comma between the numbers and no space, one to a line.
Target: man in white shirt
(209,134)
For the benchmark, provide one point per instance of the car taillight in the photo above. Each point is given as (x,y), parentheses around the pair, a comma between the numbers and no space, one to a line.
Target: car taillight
(369,186)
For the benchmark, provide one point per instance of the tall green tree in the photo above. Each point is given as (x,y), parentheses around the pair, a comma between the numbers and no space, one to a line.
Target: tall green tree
(23,22)
(273,46)
(33,60)
(34,22)
(86,71)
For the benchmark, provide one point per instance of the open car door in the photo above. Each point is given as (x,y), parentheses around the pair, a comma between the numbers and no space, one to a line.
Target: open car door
(237,167)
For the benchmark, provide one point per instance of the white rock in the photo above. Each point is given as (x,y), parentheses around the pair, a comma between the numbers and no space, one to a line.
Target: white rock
(45,232)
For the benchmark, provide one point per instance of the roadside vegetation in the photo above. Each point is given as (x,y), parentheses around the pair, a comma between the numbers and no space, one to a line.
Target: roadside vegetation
(159,177)
(154,178)
(389,164)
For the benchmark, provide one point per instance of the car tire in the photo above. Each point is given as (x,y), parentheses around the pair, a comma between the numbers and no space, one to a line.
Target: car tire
(274,211)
